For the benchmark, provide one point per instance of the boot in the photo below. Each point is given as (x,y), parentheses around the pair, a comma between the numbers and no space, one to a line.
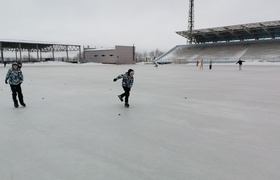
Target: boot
(126,105)
(120,97)
(23,104)
(16,104)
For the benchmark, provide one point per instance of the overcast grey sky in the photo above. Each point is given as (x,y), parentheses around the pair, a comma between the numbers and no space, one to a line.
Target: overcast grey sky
(148,24)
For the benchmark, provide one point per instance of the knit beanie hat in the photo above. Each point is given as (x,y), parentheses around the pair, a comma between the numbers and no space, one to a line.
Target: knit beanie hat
(15,63)
(129,71)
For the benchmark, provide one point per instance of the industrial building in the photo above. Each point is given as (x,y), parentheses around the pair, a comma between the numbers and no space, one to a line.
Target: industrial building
(117,55)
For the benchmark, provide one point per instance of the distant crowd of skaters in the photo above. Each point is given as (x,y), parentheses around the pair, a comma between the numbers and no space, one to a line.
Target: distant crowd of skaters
(211,63)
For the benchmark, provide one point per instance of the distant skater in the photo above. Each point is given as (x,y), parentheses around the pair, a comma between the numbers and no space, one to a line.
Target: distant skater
(15,78)
(19,64)
(201,64)
(210,64)
(156,64)
(197,62)
(127,83)
(240,63)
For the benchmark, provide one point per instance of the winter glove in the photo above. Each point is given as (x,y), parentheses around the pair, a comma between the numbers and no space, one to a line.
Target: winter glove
(115,79)
(6,81)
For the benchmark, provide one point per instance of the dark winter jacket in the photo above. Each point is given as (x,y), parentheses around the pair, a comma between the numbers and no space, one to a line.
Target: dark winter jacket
(19,64)
(14,76)
(127,79)
(240,62)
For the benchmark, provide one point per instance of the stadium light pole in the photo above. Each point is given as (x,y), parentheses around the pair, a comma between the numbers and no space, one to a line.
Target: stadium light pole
(191,21)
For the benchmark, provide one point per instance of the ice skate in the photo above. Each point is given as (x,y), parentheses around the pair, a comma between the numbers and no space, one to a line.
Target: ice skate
(120,97)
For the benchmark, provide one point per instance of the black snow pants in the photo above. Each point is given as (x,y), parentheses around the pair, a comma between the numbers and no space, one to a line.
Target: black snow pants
(16,90)
(126,94)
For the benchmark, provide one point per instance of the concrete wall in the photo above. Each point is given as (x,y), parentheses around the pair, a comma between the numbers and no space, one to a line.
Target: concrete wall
(100,56)
(125,54)
(119,55)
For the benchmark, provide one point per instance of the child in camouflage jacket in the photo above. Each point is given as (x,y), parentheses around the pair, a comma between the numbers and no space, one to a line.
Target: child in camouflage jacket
(15,78)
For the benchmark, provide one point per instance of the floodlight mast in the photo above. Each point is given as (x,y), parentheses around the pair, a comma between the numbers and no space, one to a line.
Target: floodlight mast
(191,22)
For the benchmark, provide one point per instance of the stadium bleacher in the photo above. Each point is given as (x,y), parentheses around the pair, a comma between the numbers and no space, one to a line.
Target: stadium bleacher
(212,46)
(252,50)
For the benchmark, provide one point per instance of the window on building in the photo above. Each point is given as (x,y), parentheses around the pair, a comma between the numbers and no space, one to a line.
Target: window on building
(103,55)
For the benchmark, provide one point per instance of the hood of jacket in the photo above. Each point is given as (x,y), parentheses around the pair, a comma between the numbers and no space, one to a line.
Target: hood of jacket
(129,71)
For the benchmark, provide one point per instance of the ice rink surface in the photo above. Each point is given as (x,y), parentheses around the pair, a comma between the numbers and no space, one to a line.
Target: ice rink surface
(183,123)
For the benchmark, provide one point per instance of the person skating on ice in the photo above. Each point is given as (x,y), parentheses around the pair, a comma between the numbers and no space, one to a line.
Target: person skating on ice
(240,63)
(197,63)
(156,64)
(127,83)
(15,78)
(19,64)
(210,64)
(201,64)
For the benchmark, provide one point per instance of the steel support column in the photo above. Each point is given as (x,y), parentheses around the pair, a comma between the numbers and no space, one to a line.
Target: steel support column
(29,56)
(67,55)
(20,58)
(37,52)
(53,52)
(40,54)
(80,53)
(16,50)
(2,54)
(84,54)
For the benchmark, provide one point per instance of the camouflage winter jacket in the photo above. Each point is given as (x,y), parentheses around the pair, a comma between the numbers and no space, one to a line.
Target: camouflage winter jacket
(127,80)
(14,76)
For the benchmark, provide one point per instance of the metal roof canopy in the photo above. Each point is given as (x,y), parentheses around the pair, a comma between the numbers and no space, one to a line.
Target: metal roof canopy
(252,31)
(21,46)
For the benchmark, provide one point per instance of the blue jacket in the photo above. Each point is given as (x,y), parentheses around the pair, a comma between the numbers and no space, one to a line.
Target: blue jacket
(14,76)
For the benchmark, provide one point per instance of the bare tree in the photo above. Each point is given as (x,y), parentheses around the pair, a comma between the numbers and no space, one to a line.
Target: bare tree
(148,56)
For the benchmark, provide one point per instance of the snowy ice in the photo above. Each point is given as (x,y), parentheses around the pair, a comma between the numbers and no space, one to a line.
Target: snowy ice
(183,123)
